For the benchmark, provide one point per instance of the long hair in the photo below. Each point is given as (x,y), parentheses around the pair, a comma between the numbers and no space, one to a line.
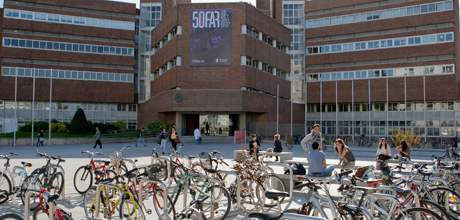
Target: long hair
(404,146)
(381,143)
(341,142)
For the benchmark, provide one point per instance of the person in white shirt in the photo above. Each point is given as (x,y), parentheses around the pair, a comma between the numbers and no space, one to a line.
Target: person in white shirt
(197,135)
(382,155)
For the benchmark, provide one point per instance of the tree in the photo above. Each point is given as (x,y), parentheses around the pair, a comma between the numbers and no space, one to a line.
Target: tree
(79,124)
(407,135)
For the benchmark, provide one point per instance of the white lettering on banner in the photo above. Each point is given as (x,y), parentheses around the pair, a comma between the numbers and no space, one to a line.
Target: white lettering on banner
(208,19)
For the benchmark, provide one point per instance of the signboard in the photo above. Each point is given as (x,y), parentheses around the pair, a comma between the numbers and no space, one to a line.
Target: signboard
(211,37)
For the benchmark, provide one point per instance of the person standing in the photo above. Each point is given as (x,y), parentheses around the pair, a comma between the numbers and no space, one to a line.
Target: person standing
(98,136)
(278,146)
(174,138)
(254,146)
(404,149)
(41,138)
(197,135)
(382,155)
(140,137)
(346,157)
(163,140)
(309,139)
(317,162)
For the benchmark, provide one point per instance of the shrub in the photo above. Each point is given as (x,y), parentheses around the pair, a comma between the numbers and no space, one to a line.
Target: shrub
(120,125)
(79,124)
(407,135)
(105,128)
(38,125)
(156,127)
(59,127)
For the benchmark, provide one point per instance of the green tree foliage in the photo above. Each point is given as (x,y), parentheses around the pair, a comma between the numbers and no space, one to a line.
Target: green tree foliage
(157,126)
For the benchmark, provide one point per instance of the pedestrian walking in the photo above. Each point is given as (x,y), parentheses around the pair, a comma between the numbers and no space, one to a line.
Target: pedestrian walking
(197,135)
(174,138)
(41,138)
(163,140)
(277,145)
(140,137)
(309,139)
(98,137)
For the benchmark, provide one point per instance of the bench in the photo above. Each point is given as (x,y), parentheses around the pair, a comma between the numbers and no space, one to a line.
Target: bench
(238,155)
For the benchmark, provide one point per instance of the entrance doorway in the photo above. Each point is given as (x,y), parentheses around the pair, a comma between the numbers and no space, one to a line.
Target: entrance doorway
(211,124)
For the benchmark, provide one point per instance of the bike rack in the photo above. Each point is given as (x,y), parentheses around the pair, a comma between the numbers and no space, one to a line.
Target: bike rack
(27,206)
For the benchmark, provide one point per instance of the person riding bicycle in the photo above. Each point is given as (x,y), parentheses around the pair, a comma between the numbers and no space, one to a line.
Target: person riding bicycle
(317,163)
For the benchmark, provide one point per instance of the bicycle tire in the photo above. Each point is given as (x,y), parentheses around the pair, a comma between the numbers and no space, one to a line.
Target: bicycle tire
(63,215)
(445,200)
(4,193)
(441,211)
(355,213)
(428,213)
(11,216)
(157,203)
(226,207)
(124,215)
(56,189)
(248,195)
(33,190)
(272,182)
(85,175)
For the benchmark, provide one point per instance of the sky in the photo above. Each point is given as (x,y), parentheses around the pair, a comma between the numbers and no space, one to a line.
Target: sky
(198,1)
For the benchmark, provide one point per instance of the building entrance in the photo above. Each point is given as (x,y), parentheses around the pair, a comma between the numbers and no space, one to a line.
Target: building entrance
(211,124)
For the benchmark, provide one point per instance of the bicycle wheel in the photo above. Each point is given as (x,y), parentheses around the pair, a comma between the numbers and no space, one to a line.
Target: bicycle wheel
(32,185)
(438,209)
(5,188)
(158,202)
(131,209)
(89,203)
(82,179)
(251,197)
(445,197)
(60,214)
(271,182)
(418,214)
(11,216)
(350,212)
(56,183)
(216,203)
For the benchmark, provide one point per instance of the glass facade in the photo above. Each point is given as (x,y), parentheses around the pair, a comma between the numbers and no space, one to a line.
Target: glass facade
(381,14)
(382,44)
(67,47)
(150,17)
(293,17)
(383,73)
(67,19)
(66,74)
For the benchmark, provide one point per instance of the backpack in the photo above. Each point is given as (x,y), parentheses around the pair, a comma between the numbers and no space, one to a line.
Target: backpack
(297,169)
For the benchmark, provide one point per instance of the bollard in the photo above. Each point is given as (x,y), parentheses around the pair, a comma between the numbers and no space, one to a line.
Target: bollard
(27,206)
(52,209)
(98,197)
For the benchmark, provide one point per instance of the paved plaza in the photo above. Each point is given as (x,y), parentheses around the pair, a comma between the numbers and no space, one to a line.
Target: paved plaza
(73,201)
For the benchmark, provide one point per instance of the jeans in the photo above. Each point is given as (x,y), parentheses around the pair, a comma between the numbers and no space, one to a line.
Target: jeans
(163,145)
(140,140)
(325,173)
(198,141)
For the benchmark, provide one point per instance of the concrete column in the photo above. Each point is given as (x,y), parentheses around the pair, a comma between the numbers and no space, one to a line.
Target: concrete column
(242,121)
(179,123)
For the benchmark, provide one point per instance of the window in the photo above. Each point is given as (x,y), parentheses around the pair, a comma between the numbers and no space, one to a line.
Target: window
(53,18)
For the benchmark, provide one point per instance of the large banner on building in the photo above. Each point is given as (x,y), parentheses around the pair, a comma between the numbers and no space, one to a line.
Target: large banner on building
(211,37)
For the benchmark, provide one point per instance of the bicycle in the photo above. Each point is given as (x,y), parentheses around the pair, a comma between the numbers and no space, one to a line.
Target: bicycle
(8,177)
(46,201)
(95,170)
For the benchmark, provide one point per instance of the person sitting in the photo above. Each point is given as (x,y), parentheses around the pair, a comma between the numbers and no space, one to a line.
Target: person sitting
(317,166)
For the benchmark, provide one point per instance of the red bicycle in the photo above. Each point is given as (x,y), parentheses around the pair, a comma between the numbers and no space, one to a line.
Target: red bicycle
(44,208)
(95,170)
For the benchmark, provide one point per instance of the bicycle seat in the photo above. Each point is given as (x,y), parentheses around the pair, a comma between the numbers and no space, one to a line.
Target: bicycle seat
(266,216)
(58,158)
(275,194)
(53,198)
(26,164)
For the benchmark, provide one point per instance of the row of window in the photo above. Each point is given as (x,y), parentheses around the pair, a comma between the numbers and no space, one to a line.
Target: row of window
(382,44)
(262,66)
(68,19)
(381,14)
(254,33)
(67,47)
(382,73)
(168,37)
(365,132)
(66,106)
(67,74)
(382,107)
(391,123)
(176,61)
